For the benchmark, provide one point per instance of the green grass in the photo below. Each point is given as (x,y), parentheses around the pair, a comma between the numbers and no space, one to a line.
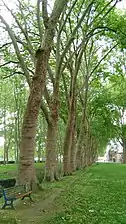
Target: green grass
(94,196)
(10,170)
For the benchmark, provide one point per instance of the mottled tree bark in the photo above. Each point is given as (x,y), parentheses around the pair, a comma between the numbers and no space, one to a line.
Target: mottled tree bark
(70,128)
(26,172)
(51,158)
(124,150)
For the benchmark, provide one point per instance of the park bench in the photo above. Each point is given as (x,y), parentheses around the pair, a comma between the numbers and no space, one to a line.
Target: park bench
(6,183)
(13,193)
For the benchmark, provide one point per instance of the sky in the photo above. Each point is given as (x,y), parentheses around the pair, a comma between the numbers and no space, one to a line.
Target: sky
(121,4)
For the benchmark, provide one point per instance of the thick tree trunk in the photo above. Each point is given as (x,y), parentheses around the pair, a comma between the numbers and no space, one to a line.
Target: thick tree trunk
(78,159)
(79,153)
(68,162)
(73,150)
(67,149)
(51,173)
(83,129)
(89,151)
(26,173)
(124,150)
(51,161)
(30,121)
(69,138)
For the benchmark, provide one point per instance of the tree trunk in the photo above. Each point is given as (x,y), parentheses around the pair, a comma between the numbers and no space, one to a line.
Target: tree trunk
(51,162)
(80,141)
(67,149)
(124,150)
(70,131)
(5,138)
(73,150)
(78,159)
(26,173)
(39,153)
(89,151)
(51,154)
(26,163)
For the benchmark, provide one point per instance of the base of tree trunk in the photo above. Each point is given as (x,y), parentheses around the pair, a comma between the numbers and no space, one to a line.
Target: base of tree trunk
(67,174)
(51,176)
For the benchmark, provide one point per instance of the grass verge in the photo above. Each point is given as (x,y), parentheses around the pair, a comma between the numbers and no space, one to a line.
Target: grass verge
(94,196)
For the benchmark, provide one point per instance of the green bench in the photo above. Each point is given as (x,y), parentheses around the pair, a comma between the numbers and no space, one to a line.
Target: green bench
(13,193)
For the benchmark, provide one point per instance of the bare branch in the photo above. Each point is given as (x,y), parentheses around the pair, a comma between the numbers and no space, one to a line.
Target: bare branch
(17,51)
(66,90)
(67,17)
(8,76)
(51,75)
(46,95)
(56,12)
(78,63)
(30,48)
(102,60)
(45,13)
(74,32)
(22,14)
(38,20)
(31,71)
(45,112)
(5,45)
(9,62)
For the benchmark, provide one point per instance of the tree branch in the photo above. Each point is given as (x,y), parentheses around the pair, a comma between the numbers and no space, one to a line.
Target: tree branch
(68,14)
(45,112)
(45,13)
(66,90)
(46,96)
(17,51)
(38,20)
(51,75)
(74,32)
(29,45)
(8,76)
(102,60)
(9,62)
(5,45)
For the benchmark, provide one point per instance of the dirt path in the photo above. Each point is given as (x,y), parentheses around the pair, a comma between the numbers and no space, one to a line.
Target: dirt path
(40,210)
(44,206)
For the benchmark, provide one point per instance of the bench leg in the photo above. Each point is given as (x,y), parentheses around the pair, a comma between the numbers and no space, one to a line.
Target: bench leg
(3,207)
(29,195)
(8,204)
(12,205)
(30,198)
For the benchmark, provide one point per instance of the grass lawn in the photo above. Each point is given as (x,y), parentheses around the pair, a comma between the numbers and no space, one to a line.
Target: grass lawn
(94,196)
(10,170)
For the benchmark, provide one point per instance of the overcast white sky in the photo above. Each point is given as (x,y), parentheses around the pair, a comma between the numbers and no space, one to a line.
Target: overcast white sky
(122,4)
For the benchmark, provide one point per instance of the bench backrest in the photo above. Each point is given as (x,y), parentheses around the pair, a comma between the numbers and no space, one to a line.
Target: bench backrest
(13,191)
(6,183)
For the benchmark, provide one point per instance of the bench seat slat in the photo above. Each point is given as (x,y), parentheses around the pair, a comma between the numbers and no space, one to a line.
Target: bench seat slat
(22,195)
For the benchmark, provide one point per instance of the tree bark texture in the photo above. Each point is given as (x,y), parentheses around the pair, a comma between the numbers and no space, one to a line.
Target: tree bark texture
(70,129)
(124,150)
(30,120)
(51,159)
(26,173)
